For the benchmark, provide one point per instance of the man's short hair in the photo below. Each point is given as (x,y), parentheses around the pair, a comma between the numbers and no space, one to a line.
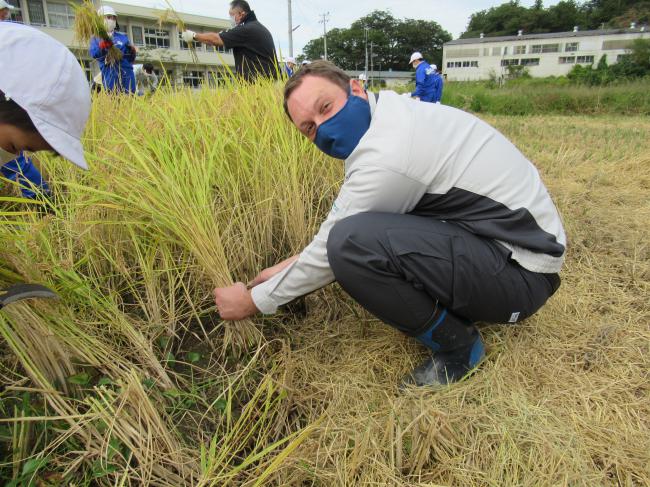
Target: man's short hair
(147,67)
(320,69)
(241,5)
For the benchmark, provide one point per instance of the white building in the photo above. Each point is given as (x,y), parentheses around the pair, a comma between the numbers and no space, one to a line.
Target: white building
(552,54)
(159,44)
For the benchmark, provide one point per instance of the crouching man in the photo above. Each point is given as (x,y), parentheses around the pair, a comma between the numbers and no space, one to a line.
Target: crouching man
(440,223)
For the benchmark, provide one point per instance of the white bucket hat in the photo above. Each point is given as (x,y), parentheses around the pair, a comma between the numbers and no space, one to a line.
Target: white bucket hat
(106,10)
(290,59)
(57,96)
(4,5)
(415,56)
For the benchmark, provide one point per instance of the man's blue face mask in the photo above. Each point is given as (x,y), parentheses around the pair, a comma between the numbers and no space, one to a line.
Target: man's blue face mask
(340,135)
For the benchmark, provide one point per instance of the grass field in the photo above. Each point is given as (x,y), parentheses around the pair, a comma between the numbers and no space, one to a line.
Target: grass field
(544,96)
(130,379)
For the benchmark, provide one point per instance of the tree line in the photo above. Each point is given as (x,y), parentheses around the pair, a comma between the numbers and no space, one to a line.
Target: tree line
(510,17)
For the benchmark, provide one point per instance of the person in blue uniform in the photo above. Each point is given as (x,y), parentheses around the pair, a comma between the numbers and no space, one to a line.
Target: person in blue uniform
(440,83)
(426,80)
(119,76)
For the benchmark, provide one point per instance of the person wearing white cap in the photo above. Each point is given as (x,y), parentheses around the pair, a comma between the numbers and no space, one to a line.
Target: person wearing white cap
(364,80)
(5,10)
(289,66)
(22,169)
(426,79)
(117,77)
(49,112)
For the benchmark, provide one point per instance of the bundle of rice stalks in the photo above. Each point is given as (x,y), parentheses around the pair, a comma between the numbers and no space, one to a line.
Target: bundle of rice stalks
(170,16)
(88,24)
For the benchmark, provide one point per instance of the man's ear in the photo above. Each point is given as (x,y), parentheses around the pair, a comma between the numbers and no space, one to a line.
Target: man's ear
(356,89)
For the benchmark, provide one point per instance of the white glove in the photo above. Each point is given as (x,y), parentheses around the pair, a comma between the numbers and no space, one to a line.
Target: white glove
(188,36)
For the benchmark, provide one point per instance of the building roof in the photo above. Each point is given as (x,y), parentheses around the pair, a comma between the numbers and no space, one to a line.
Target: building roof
(547,35)
(156,14)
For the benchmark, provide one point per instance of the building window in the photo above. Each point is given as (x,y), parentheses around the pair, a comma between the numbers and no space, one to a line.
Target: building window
(156,37)
(137,35)
(496,51)
(216,78)
(509,62)
(585,60)
(486,51)
(60,15)
(36,12)
(450,64)
(621,57)
(458,64)
(567,60)
(544,48)
(519,50)
(185,45)
(571,47)
(465,64)
(192,79)
(473,64)
(220,49)
(505,51)
(530,61)
(16,15)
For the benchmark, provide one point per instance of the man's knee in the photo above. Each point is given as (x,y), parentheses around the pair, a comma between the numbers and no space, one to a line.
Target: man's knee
(348,237)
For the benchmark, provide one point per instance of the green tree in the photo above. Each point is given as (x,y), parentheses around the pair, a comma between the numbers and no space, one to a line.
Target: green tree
(509,17)
(392,40)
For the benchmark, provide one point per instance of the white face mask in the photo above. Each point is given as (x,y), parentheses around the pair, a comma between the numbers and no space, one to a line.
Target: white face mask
(110,24)
(5,156)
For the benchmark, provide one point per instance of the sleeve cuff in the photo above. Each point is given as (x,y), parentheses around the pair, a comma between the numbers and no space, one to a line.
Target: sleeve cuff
(262,301)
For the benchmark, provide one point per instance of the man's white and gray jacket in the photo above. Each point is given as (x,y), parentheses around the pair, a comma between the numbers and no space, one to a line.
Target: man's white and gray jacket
(436,162)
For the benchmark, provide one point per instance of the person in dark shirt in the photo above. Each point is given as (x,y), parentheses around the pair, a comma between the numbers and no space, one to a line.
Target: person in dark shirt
(251,43)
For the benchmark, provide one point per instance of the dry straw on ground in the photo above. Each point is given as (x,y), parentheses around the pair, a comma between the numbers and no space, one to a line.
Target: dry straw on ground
(188,191)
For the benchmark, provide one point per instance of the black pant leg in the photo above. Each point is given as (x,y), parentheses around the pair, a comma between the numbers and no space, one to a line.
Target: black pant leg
(399,267)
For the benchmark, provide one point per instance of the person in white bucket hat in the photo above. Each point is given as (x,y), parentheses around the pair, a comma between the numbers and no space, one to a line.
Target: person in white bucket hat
(49,112)
(5,10)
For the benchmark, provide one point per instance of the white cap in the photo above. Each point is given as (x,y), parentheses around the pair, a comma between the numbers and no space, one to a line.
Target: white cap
(415,56)
(106,10)
(306,61)
(290,59)
(4,5)
(57,96)
(434,66)
(362,77)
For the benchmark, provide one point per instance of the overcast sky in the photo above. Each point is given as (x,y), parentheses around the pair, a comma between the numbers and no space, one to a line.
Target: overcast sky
(452,15)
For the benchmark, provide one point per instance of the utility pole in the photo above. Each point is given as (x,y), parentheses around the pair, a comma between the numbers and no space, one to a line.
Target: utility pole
(365,30)
(372,65)
(325,19)
(290,30)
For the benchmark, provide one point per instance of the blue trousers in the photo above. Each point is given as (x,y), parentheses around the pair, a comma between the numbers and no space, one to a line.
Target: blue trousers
(23,171)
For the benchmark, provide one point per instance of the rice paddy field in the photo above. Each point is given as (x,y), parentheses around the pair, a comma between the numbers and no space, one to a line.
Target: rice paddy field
(131,379)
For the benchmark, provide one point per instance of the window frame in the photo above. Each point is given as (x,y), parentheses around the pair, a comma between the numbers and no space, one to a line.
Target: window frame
(68,15)
(154,33)
(192,76)
(35,3)
(569,47)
